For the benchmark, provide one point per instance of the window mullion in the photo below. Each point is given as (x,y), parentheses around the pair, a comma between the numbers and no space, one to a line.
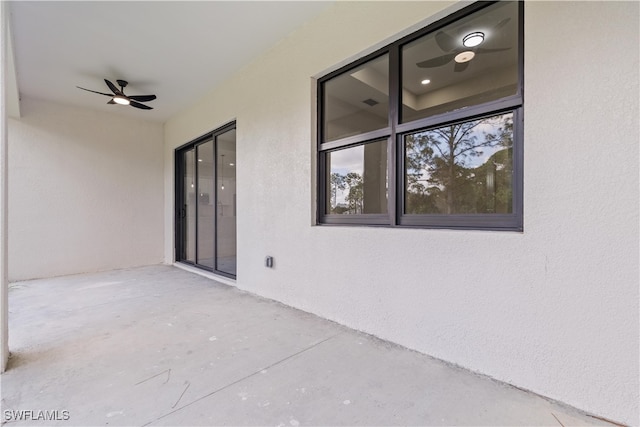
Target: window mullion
(322,186)
(399,176)
(196,181)
(395,98)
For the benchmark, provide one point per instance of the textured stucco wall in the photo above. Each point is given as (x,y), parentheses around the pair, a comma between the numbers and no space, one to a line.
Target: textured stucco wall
(85,191)
(553,309)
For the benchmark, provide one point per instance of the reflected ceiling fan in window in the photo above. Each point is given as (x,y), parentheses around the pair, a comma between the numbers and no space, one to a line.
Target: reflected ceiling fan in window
(118,96)
(464,53)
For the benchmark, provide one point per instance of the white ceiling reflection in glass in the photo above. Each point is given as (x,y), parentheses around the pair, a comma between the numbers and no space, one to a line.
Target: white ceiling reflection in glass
(470,61)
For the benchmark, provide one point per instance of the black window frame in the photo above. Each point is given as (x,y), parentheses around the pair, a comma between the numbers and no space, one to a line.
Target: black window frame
(396,130)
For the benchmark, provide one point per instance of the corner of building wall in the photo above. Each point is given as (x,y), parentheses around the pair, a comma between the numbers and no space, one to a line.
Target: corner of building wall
(169,164)
(4,261)
(11,93)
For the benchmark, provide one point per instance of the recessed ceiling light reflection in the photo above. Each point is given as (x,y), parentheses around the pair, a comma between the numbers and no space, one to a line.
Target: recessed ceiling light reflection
(425,82)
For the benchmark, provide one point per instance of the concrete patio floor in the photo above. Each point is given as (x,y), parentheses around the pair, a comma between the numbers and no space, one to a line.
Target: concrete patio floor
(162,346)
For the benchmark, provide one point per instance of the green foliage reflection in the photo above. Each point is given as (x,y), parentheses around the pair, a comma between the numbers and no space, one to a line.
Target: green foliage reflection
(460,168)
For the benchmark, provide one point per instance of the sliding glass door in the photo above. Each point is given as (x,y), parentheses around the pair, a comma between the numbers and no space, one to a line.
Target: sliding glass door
(206,202)
(205,207)
(188,211)
(226,202)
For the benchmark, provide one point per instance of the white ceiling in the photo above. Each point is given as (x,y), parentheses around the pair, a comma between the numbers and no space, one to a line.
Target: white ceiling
(177,50)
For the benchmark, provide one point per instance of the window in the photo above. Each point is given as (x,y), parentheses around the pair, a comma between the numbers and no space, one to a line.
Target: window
(427,131)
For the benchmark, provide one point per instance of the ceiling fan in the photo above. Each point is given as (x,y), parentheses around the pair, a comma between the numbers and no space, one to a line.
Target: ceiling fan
(118,96)
(462,54)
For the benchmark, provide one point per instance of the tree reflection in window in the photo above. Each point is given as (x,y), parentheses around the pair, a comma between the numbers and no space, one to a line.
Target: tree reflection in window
(351,187)
(462,168)
(357,183)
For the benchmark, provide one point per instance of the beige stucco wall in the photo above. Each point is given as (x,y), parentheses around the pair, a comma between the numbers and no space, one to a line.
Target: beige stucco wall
(85,191)
(553,309)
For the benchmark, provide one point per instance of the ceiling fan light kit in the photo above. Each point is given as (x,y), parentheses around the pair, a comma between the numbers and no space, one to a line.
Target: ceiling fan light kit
(121,100)
(118,96)
(465,56)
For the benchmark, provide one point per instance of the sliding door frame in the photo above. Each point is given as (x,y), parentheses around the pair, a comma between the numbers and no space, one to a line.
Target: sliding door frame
(180,210)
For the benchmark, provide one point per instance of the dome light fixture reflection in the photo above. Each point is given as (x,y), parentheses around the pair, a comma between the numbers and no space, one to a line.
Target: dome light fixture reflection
(473,39)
